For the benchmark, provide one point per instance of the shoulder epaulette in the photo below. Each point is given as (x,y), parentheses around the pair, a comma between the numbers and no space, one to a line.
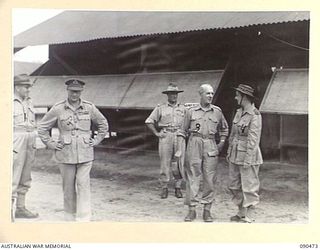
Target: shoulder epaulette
(256,111)
(216,107)
(59,103)
(190,105)
(161,104)
(87,102)
(29,100)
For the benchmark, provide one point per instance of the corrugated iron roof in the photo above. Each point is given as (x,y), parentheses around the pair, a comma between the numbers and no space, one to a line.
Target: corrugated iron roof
(287,92)
(80,26)
(140,91)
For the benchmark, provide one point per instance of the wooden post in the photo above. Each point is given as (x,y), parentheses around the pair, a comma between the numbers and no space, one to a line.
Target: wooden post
(281,139)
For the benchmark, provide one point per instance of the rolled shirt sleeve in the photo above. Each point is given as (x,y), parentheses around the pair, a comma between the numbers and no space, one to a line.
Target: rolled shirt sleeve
(186,123)
(101,122)
(45,125)
(154,117)
(223,127)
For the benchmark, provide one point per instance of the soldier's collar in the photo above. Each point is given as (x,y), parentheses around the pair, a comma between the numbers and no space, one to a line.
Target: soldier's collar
(173,105)
(249,109)
(18,98)
(204,109)
(68,105)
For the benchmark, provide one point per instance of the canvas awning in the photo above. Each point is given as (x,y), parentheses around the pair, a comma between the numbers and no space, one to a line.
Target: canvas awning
(287,92)
(137,91)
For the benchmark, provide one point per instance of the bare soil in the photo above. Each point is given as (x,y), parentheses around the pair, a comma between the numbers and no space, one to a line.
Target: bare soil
(125,188)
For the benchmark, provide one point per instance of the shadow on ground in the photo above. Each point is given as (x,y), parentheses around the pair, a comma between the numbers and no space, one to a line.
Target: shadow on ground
(126,188)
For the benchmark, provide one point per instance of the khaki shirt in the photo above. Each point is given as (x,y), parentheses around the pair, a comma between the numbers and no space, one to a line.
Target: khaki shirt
(167,116)
(245,137)
(206,122)
(75,130)
(23,115)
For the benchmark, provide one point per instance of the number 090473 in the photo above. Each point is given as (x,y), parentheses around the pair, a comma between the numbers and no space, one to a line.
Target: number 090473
(308,246)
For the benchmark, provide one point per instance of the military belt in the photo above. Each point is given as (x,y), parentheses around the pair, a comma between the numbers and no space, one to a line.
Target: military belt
(170,130)
(24,130)
(202,136)
(241,138)
(76,132)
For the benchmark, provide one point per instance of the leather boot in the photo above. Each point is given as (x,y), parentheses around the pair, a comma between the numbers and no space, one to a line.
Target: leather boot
(22,212)
(241,216)
(178,193)
(164,193)
(191,215)
(235,218)
(207,216)
(245,218)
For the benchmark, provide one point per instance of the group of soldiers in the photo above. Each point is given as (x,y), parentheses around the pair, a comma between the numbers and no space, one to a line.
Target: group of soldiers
(73,149)
(190,141)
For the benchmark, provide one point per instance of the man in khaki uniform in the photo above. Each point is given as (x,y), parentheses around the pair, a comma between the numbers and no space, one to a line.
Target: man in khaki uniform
(204,123)
(244,155)
(74,149)
(169,117)
(24,147)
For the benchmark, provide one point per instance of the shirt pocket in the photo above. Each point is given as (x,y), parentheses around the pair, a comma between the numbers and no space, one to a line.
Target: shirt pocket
(166,118)
(86,141)
(241,151)
(196,122)
(195,125)
(84,121)
(180,117)
(66,121)
(18,118)
(67,139)
(212,125)
(243,128)
(32,114)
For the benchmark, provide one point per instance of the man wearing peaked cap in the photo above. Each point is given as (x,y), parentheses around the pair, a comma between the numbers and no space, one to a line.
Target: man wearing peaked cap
(74,149)
(24,146)
(22,79)
(74,84)
(244,155)
(166,122)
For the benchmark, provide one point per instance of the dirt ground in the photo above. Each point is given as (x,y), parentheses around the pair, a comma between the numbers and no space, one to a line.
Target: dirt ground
(125,188)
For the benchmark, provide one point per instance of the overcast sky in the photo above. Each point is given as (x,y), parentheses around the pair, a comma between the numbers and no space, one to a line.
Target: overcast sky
(23,19)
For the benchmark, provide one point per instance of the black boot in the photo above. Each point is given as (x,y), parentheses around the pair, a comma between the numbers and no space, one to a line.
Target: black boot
(178,193)
(241,216)
(22,212)
(164,193)
(191,216)
(207,216)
